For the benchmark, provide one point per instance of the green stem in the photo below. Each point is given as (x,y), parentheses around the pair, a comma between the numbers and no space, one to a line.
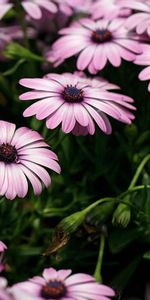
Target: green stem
(93,205)
(134,189)
(22,22)
(97,273)
(138,171)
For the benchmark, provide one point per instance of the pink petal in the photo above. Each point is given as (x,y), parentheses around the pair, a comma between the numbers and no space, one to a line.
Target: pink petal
(85,57)
(36,184)
(32,9)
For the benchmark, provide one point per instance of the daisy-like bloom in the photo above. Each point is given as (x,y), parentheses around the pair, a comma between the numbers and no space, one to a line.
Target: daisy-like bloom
(4,7)
(23,155)
(141,18)
(144,59)
(108,9)
(68,7)
(34,7)
(96,42)
(60,285)
(69,100)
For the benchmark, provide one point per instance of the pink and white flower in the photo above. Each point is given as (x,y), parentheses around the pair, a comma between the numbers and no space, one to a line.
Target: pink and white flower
(23,156)
(141,18)
(69,100)
(60,285)
(108,9)
(34,7)
(96,42)
(144,59)
(5,6)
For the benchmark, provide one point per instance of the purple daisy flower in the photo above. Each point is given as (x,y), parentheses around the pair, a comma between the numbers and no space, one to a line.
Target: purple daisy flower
(4,7)
(34,7)
(96,42)
(141,18)
(59,285)
(108,9)
(23,154)
(144,59)
(70,100)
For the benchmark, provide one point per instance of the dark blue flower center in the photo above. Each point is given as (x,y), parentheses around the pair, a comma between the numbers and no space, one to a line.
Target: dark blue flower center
(101,36)
(72,94)
(54,289)
(8,153)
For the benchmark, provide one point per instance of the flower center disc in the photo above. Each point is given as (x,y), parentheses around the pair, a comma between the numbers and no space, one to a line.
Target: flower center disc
(53,290)
(72,94)
(101,36)
(8,153)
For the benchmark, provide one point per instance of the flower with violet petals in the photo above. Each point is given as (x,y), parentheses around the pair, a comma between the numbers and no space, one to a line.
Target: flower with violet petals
(34,7)
(96,42)
(140,19)
(4,7)
(108,9)
(60,285)
(23,156)
(144,59)
(69,100)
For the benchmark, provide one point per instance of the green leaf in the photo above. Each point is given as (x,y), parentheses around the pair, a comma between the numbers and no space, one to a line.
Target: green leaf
(146,255)
(122,278)
(121,238)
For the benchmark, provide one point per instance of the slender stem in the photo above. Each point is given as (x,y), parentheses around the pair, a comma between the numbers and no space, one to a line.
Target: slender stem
(138,171)
(93,205)
(134,189)
(97,273)
(22,22)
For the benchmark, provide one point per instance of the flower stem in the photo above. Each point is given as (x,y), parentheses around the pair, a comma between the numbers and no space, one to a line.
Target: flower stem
(97,273)
(22,22)
(138,171)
